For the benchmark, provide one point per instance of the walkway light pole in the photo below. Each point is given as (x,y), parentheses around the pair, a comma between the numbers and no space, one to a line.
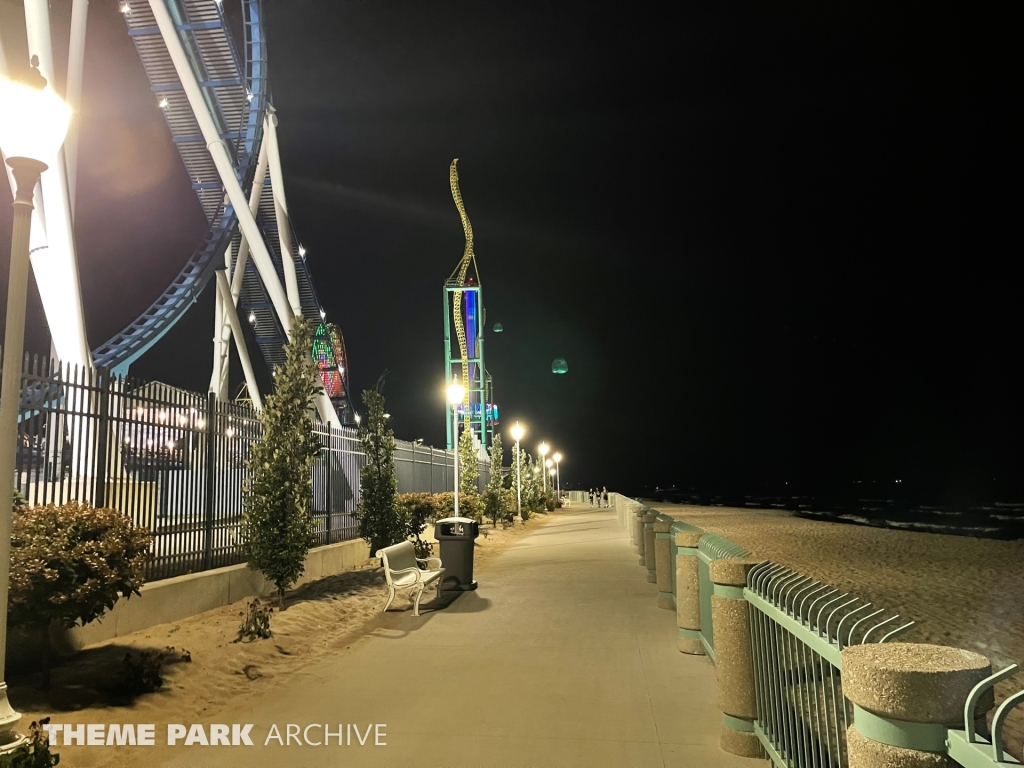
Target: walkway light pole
(558,473)
(543,449)
(33,124)
(455,394)
(517,435)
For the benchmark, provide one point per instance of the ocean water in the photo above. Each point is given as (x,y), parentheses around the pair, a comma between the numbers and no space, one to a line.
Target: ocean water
(998,520)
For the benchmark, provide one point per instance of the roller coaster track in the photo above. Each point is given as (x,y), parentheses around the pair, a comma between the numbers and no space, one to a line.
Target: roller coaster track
(459,276)
(237,91)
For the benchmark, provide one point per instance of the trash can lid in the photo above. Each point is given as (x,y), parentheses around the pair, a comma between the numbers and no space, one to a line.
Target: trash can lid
(456,520)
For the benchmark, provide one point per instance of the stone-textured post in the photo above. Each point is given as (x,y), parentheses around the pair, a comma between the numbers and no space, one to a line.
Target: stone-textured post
(734,660)
(688,591)
(904,696)
(638,532)
(648,558)
(663,561)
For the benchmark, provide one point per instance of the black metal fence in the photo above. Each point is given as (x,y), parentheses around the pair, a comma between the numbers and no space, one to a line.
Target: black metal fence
(174,461)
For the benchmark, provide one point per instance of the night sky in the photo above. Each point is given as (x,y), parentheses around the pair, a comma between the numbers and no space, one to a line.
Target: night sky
(775,242)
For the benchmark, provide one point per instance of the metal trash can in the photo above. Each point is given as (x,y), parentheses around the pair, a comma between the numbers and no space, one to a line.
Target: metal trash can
(456,537)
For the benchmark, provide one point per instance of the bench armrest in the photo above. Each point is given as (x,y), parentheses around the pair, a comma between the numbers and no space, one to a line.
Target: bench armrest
(417,571)
(428,559)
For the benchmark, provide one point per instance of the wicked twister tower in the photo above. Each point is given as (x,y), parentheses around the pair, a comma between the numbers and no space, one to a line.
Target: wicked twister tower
(464,354)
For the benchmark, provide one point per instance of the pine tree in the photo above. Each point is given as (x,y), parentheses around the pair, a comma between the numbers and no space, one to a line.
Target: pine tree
(495,498)
(276,524)
(469,469)
(380,519)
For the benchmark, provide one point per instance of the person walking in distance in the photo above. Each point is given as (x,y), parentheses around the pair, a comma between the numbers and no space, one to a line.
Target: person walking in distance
(604,497)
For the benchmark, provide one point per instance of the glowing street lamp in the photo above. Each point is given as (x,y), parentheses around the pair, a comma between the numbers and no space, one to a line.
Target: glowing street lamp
(517,435)
(558,474)
(543,449)
(455,394)
(33,123)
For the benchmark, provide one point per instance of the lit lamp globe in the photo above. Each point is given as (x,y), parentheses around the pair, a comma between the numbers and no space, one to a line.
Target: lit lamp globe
(543,449)
(557,457)
(517,432)
(549,463)
(456,393)
(33,123)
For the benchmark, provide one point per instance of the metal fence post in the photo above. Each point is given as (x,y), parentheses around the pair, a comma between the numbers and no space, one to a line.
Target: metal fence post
(100,465)
(330,483)
(211,441)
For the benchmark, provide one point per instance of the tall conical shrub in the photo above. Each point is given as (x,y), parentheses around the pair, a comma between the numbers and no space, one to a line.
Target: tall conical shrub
(276,524)
(380,518)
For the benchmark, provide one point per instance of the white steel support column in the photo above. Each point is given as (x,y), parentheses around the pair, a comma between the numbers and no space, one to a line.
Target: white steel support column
(221,339)
(224,294)
(225,168)
(56,267)
(73,92)
(254,204)
(221,328)
(284,232)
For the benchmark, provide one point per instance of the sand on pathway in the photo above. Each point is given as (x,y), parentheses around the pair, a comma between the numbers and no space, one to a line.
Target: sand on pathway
(323,619)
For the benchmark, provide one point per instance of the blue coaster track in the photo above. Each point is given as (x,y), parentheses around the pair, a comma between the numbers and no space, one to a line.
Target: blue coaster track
(237,91)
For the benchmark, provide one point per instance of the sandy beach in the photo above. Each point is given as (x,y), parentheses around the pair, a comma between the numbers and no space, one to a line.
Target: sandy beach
(961,591)
(326,618)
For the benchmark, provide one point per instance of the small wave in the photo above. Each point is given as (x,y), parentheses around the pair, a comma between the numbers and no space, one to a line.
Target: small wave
(937,528)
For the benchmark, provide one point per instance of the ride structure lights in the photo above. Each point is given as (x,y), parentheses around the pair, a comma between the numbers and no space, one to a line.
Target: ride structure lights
(464,354)
(328,352)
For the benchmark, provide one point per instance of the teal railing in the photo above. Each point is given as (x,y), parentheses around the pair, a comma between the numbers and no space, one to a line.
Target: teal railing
(799,627)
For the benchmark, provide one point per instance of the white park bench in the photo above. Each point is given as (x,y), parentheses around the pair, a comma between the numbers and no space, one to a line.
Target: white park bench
(402,571)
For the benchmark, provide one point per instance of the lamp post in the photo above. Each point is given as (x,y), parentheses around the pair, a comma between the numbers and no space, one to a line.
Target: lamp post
(455,394)
(33,124)
(543,449)
(558,473)
(517,435)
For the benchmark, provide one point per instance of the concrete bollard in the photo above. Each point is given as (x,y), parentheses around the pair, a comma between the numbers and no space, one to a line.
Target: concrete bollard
(734,661)
(638,527)
(688,592)
(648,561)
(904,696)
(663,561)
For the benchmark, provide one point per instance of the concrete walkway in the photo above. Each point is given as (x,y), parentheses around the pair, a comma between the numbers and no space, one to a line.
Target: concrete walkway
(561,658)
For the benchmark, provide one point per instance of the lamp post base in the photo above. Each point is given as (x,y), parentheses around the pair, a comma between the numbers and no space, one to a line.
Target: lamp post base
(10,739)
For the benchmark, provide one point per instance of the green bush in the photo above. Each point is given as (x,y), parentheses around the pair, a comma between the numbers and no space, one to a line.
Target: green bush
(255,622)
(35,753)
(70,564)
(418,509)
(469,506)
